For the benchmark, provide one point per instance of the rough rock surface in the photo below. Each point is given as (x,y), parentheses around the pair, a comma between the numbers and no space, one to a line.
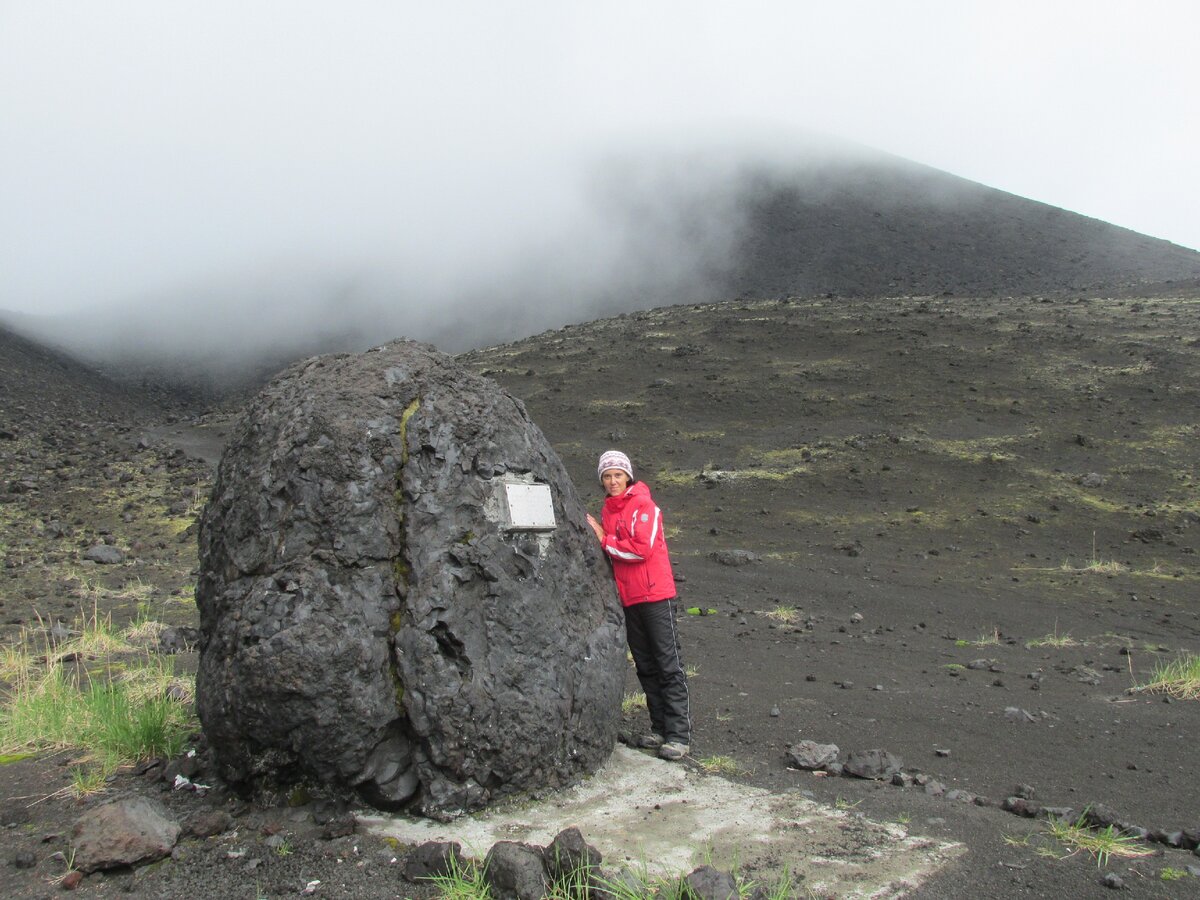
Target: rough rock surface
(873,764)
(707,883)
(369,621)
(812,755)
(123,833)
(515,871)
(570,852)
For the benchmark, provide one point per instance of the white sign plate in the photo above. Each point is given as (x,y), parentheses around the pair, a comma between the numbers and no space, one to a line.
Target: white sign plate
(530,507)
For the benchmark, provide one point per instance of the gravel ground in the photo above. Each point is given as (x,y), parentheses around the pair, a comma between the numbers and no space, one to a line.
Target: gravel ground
(969,529)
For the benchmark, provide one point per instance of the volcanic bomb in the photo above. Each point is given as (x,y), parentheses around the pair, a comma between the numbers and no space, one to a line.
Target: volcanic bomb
(375,615)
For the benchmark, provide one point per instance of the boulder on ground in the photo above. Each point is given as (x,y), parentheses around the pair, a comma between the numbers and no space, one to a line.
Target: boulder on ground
(434,859)
(515,871)
(872,764)
(811,755)
(735,558)
(570,855)
(399,593)
(104,554)
(123,832)
(707,883)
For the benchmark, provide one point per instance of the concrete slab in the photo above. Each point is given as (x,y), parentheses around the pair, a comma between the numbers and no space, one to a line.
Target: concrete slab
(665,819)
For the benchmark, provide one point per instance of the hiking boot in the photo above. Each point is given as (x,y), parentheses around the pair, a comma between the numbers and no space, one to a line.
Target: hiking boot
(673,751)
(651,741)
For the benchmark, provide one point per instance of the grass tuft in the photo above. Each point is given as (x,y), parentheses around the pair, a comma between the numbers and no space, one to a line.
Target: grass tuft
(785,614)
(721,765)
(631,703)
(95,692)
(1102,843)
(464,881)
(984,640)
(1053,640)
(1180,678)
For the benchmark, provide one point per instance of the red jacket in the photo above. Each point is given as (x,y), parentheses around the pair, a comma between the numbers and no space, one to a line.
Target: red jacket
(637,547)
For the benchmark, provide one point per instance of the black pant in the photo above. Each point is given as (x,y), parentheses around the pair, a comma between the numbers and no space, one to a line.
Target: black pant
(654,643)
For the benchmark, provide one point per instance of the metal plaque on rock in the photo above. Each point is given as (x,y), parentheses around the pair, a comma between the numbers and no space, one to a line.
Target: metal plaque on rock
(530,507)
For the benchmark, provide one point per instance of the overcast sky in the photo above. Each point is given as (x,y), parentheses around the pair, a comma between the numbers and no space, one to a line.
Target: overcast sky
(146,146)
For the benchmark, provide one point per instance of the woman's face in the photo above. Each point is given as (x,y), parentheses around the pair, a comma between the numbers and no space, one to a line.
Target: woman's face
(615,481)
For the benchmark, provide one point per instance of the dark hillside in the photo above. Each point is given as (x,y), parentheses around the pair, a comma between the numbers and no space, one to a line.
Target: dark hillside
(41,389)
(898,228)
(859,224)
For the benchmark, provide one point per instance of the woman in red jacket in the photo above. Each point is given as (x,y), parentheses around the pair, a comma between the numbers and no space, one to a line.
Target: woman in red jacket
(631,533)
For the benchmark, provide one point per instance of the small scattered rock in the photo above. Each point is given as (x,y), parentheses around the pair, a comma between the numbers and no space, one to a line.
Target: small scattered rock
(1112,880)
(1170,838)
(1063,813)
(515,871)
(71,880)
(1100,816)
(178,639)
(734,557)
(1016,714)
(186,765)
(811,755)
(569,852)
(104,554)
(1021,807)
(209,822)
(707,883)
(433,859)
(873,764)
(1148,535)
(24,859)
(339,826)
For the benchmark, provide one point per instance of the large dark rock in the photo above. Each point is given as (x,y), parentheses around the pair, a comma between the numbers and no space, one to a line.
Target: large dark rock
(368,619)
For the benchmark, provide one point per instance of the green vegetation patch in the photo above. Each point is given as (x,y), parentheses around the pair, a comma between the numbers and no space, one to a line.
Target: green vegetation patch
(123,705)
(688,477)
(981,450)
(1100,843)
(466,880)
(632,702)
(1179,677)
(721,765)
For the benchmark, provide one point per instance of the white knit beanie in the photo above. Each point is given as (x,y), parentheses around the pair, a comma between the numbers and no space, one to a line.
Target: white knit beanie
(614,459)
